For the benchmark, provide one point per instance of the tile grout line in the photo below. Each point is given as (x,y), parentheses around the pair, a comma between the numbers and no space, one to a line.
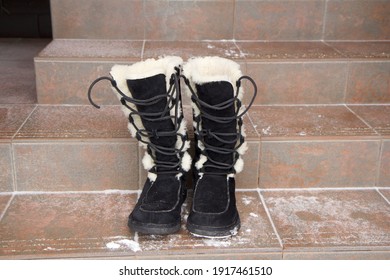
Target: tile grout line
(144,20)
(234,21)
(388,202)
(318,189)
(270,219)
(363,120)
(7,206)
(378,173)
(345,95)
(324,20)
(24,122)
(103,192)
(253,125)
(143,49)
(13,158)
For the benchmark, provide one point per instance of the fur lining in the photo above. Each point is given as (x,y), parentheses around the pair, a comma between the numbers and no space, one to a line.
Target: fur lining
(147,68)
(200,70)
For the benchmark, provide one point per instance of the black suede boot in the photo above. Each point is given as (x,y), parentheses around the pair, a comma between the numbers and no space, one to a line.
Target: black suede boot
(214,85)
(150,94)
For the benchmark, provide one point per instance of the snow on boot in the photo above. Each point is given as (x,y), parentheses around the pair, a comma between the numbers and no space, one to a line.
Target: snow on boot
(150,94)
(214,85)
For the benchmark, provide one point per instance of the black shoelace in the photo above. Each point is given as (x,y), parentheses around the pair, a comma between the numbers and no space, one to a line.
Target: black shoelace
(173,102)
(235,138)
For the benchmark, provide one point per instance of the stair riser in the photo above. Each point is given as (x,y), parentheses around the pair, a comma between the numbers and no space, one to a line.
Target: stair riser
(76,166)
(94,166)
(67,82)
(242,20)
(315,164)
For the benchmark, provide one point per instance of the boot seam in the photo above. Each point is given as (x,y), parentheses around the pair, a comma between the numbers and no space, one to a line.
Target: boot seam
(162,211)
(208,213)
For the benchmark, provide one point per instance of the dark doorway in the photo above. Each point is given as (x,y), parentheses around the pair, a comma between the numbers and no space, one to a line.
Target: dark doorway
(25,18)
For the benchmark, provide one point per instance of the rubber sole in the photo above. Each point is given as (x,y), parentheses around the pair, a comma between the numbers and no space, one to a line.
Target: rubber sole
(214,232)
(158,229)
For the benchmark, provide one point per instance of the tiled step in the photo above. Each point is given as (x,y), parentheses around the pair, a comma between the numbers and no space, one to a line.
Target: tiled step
(285,72)
(80,148)
(282,224)
(276,20)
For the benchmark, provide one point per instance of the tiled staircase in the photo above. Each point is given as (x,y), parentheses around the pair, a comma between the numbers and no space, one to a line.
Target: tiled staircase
(316,182)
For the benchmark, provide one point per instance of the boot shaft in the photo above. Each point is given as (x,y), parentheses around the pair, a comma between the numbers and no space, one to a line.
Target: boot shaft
(213,84)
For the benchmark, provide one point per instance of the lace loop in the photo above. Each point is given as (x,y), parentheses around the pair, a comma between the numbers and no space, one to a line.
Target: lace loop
(173,103)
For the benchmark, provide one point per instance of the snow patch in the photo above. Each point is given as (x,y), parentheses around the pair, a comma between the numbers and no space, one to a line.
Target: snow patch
(124,243)
(246,200)
(49,249)
(217,242)
(266,131)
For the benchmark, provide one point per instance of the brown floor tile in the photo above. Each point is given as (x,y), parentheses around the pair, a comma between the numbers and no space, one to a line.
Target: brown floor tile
(338,255)
(4,200)
(278,20)
(343,219)
(67,82)
(98,19)
(250,129)
(307,121)
(189,20)
(319,164)
(12,118)
(6,172)
(368,83)
(84,49)
(55,225)
(76,166)
(378,117)
(286,82)
(249,177)
(357,20)
(286,50)
(188,49)
(21,48)
(385,193)
(384,169)
(374,50)
(256,234)
(65,224)
(69,122)
(17,82)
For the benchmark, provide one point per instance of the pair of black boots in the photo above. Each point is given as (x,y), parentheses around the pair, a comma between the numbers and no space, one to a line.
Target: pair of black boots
(150,92)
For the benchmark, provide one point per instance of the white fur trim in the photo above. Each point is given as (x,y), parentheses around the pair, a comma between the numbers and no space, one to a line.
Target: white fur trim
(200,70)
(199,164)
(147,161)
(243,148)
(186,161)
(152,176)
(147,68)
(239,165)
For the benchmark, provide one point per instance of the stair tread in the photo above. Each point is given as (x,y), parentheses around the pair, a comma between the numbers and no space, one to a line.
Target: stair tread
(23,122)
(84,48)
(313,222)
(238,50)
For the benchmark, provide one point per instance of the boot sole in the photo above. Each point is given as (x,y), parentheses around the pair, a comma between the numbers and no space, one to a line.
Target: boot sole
(158,229)
(213,232)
